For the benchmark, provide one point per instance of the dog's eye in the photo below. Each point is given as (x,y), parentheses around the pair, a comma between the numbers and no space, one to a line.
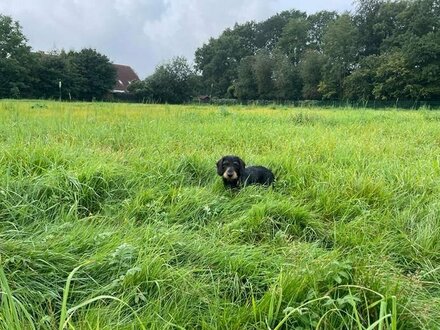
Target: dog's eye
(236,163)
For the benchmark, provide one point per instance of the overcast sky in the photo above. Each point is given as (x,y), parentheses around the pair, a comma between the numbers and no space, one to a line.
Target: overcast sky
(142,33)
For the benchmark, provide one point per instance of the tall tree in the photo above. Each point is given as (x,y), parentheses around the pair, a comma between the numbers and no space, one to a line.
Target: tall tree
(311,68)
(293,40)
(341,49)
(393,78)
(263,72)
(286,78)
(359,84)
(49,70)
(421,17)
(378,22)
(15,60)
(423,58)
(366,19)
(420,45)
(218,60)
(317,24)
(96,74)
(246,86)
(171,82)
(269,31)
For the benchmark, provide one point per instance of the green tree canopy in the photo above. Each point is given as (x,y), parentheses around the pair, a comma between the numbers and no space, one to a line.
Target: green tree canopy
(15,59)
(95,75)
(171,82)
(246,86)
(341,49)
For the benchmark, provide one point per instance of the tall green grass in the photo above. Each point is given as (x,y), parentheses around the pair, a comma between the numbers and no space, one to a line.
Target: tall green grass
(112,217)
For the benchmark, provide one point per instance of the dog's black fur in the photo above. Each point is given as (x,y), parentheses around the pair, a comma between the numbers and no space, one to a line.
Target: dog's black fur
(235,174)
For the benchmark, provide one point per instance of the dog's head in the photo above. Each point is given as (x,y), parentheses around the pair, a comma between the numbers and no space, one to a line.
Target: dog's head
(230,167)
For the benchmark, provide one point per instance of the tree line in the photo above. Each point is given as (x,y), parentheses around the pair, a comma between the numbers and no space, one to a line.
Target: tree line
(384,50)
(84,75)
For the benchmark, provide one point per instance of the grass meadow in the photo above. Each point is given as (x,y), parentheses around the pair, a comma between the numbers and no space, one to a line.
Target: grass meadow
(112,216)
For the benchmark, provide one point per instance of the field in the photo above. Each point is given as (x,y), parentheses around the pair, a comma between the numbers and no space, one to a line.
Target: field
(112,217)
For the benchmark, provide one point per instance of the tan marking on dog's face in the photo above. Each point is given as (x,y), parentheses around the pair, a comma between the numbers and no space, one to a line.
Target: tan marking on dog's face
(233,177)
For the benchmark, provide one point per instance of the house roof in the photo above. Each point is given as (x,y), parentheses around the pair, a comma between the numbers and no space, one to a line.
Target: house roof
(125,75)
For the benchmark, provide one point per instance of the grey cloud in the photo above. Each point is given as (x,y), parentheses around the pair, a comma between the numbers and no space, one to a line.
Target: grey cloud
(185,25)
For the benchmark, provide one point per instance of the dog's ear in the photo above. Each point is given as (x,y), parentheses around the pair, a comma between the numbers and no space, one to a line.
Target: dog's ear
(219,166)
(242,164)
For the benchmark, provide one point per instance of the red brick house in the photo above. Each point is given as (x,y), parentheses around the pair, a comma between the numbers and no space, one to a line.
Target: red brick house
(125,75)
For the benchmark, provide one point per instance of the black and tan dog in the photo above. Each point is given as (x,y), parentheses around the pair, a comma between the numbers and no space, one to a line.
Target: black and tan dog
(235,174)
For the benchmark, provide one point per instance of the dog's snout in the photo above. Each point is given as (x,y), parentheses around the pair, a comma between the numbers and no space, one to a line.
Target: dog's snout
(230,173)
